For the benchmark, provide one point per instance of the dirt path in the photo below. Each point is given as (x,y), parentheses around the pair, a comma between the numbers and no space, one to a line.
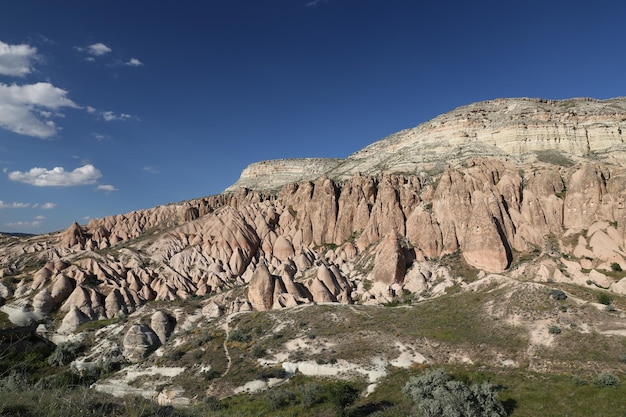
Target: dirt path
(226,327)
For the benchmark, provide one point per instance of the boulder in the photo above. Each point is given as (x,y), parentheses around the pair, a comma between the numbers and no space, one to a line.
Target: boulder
(163,325)
(140,341)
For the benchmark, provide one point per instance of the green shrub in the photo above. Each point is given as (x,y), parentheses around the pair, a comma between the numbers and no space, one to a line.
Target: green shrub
(604,298)
(64,354)
(280,397)
(557,294)
(258,351)
(210,374)
(438,395)
(15,381)
(274,372)
(239,335)
(212,403)
(616,267)
(554,330)
(310,394)
(341,394)
(606,380)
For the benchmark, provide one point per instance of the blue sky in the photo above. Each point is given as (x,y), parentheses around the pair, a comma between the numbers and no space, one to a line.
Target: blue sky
(110,107)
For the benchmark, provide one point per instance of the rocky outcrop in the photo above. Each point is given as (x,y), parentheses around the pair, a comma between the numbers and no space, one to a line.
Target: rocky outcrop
(267,175)
(73,236)
(261,289)
(139,341)
(163,325)
(485,185)
(391,262)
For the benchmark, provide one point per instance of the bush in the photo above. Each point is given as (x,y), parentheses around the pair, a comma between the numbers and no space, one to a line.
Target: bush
(604,298)
(212,403)
(310,394)
(258,351)
(64,354)
(606,380)
(239,335)
(280,397)
(616,267)
(557,294)
(554,330)
(210,374)
(14,382)
(342,394)
(274,372)
(438,395)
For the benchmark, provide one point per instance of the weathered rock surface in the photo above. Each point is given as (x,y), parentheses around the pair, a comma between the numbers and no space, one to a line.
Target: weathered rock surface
(139,341)
(162,324)
(483,184)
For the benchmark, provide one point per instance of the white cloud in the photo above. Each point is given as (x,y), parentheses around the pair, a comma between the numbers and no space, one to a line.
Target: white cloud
(109,116)
(20,105)
(4,205)
(48,206)
(90,109)
(35,224)
(134,62)
(57,177)
(16,60)
(98,49)
(100,136)
(151,170)
(106,188)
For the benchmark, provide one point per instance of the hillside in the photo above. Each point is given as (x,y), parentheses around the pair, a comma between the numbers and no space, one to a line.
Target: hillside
(489,239)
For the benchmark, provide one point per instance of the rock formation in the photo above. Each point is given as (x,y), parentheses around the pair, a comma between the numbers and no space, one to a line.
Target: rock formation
(483,185)
(139,341)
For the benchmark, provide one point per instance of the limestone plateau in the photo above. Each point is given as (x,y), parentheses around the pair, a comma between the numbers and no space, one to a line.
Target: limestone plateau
(527,189)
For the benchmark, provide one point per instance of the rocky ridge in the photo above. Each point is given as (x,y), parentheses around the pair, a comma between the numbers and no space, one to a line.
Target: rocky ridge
(514,128)
(386,224)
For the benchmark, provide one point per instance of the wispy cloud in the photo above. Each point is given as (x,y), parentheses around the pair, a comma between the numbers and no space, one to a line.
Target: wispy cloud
(100,137)
(21,225)
(48,206)
(57,177)
(314,3)
(96,49)
(151,170)
(4,205)
(16,60)
(109,116)
(107,188)
(25,109)
(134,62)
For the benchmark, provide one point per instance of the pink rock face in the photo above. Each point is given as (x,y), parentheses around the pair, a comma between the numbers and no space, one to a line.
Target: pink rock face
(261,289)
(390,264)
(283,249)
(73,236)
(465,186)
(482,246)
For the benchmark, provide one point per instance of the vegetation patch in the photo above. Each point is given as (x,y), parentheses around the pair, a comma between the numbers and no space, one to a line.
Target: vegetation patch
(554,157)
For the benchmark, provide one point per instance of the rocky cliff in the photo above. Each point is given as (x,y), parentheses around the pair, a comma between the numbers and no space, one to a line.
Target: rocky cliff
(530,189)
(270,175)
(516,128)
